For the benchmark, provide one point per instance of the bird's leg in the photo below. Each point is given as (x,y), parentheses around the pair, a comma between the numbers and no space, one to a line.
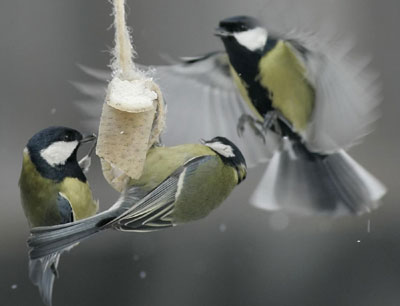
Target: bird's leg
(86,161)
(269,120)
(245,118)
(277,128)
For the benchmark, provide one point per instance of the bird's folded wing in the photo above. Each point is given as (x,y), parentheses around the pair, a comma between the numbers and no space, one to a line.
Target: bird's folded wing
(153,212)
(202,102)
(64,208)
(347,94)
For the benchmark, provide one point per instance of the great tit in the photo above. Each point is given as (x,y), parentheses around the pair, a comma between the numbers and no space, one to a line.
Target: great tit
(308,103)
(318,104)
(54,190)
(179,184)
(306,100)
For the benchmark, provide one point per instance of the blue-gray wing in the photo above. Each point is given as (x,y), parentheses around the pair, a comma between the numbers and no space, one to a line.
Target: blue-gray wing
(153,212)
(347,92)
(65,209)
(202,102)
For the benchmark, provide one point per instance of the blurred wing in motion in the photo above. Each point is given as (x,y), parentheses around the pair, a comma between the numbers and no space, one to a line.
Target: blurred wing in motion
(347,93)
(202,102)
(94,96)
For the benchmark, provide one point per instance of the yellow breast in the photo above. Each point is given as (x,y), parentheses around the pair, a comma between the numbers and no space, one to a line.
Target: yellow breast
(285,77)
(80,197)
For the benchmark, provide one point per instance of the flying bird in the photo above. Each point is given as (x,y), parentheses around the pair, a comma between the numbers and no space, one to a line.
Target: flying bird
(291,100)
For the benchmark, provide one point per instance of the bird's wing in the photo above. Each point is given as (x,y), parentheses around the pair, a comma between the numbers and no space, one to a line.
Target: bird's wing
(153,212)
(202,102)
(93,96)
(347,93)
(65,209)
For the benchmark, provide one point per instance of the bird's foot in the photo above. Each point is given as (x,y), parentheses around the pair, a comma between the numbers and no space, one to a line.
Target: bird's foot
(254,125)
(270,120)
(86,161)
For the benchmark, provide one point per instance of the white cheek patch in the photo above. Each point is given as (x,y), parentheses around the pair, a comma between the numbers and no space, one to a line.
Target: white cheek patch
(221,149)
(58,152)
(252,39)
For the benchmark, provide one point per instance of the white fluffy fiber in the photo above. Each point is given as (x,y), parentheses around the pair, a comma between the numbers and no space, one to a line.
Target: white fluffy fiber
(131,96)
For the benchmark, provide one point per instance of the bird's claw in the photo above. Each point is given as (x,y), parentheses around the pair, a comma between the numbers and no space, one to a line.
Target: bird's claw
(86,161)
(245,118)
(269,121)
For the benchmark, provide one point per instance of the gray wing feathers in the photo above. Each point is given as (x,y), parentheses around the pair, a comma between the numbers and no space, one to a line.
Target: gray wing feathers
(153,212)
(65,209)
(202,102)
(348,94)
(156,204)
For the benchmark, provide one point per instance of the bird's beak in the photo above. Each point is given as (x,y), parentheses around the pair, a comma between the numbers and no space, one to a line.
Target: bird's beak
(202,141)
(88,138)
(220,32)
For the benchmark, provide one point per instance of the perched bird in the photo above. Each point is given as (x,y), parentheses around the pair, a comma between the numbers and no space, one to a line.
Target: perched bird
(305,101)
(179,184)
(54,190)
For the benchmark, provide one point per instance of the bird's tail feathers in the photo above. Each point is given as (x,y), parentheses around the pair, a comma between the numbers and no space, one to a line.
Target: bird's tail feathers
(134,211)
(42,272)
(47,240)
(299,181)
(47,243)
(141,209)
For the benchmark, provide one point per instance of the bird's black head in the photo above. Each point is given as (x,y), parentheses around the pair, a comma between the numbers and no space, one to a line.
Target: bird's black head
(51,135)
(237,24)
(230,154)
(54,152)
(242,32)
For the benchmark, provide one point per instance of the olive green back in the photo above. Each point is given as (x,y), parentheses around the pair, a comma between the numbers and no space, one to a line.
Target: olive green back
(163,161)
(204,189)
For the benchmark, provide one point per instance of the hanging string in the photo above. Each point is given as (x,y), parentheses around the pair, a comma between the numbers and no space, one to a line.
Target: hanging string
(124,53)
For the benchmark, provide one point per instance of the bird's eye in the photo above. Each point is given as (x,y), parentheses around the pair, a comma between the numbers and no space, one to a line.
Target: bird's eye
(66,137)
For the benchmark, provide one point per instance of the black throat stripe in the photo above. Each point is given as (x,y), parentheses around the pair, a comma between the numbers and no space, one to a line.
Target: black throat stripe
(245,62)
(57,173)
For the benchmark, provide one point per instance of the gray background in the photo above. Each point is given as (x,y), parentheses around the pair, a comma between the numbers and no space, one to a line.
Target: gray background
(238,255)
